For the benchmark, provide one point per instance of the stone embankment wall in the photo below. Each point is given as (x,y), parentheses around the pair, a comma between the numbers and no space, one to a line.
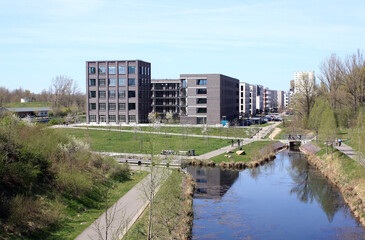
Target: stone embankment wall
(351,190)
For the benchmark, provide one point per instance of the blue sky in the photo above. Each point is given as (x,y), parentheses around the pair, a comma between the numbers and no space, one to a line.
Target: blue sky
(259,42)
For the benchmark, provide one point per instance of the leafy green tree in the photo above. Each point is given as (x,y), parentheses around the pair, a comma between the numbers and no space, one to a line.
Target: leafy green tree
(328,127)
(315,116)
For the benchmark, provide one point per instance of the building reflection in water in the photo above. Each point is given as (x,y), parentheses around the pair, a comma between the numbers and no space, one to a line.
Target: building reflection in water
(212,183)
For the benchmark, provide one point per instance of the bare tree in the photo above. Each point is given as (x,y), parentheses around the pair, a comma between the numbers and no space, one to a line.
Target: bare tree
(331,78)
(63,90)
(354,78)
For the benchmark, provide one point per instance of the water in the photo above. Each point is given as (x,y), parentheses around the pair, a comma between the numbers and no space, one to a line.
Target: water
(284,199)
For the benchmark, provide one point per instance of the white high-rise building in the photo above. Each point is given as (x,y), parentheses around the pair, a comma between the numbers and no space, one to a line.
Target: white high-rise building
(303,78)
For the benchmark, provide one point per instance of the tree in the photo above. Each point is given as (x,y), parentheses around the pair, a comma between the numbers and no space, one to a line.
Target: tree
(315,116)
(169,116)
(328,128)
(331,78)
(304,99)
(354,79)
(63,91)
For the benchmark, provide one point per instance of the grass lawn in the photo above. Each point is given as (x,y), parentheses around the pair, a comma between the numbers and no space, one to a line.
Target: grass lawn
(211,131)
(29,104)
(129,142)
(76,222)
(250,150)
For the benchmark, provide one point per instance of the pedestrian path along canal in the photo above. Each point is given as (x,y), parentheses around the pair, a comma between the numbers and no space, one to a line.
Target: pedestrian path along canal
(284,199)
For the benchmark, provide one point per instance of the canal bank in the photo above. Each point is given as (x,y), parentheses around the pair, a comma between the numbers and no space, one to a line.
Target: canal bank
(339,170)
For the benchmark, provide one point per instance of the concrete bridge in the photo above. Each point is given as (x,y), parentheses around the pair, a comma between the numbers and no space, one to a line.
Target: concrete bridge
(296,139)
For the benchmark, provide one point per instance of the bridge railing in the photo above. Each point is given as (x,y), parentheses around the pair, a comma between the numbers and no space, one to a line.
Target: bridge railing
(297,137)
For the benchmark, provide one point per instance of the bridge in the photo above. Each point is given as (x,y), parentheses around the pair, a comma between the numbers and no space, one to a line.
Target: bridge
(296,139)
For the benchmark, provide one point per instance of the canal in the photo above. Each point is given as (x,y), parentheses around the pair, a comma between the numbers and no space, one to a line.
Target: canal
(284,199)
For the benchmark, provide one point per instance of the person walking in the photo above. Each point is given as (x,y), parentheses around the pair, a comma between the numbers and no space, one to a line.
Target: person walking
(232,142)
(238,142)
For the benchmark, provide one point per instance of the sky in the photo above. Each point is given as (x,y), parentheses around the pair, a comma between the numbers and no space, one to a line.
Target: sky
(258,42)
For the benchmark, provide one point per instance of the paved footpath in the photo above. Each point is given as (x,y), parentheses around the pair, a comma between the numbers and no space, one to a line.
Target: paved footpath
(126,211)
(261,134)
(349,151)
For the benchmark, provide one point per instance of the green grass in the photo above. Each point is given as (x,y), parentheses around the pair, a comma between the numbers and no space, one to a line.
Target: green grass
(76,223)
(212,131)
(168,206)
(128,142)
(350,168)
(29,104)
(250,150)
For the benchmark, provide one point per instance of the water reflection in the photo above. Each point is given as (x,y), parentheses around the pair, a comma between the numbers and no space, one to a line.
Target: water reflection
(309,184)
(284,199)
(212,183)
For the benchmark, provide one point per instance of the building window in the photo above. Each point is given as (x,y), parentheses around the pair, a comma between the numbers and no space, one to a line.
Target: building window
(201,100)
(131,82)
(112,106)
(92,94)
(102,70)
(132,118)
(121,81)
(102,83)
(131,106)
(201,120)
(92,106)
(102,118)
(201,110)
(92,118)
(121,94)
(131,94)
(111,70)
(92,82)
(121,69)
(112,118)
(112,94)
(131,69)
(102,94)
(112,82)
(201,82)
(102,106)
(201,91)
(121,118)
(121,106)
(92,70)
(140,70)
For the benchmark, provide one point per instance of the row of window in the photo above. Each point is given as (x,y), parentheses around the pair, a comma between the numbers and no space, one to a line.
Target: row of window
(112,82)
(112,94)
(121,70)
(112,118)
(112,106)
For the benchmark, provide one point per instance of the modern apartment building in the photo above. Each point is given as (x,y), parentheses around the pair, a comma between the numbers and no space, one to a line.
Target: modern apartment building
(118,91)
(280,99)
(166,96)
(302,80)
(259,98)
(244,99)
(208,98)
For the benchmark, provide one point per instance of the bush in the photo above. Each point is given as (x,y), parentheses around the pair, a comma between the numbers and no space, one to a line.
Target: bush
(73,181)
(120,172)
(28,215)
